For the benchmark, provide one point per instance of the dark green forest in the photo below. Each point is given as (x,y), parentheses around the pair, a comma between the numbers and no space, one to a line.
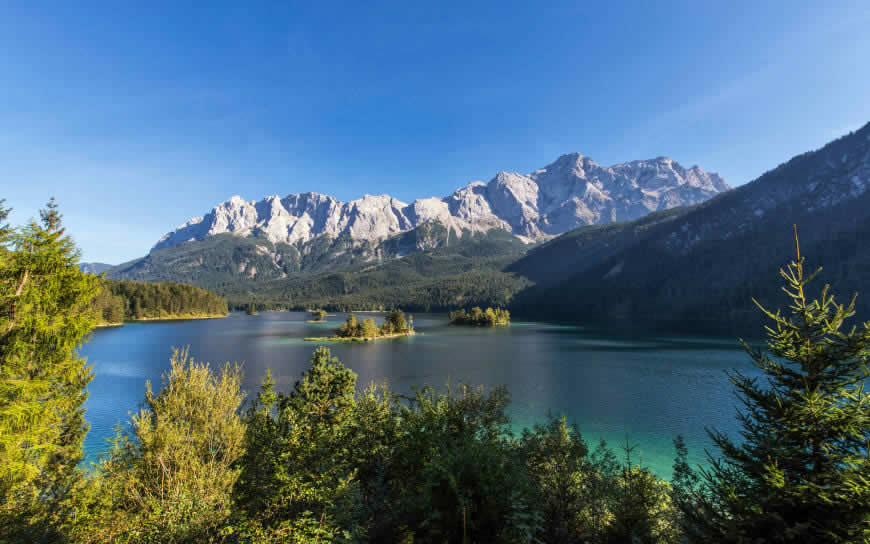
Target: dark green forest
(120,301)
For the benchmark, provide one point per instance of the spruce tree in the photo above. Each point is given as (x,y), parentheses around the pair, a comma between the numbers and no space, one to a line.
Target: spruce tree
(296,481)
(45,314)
(801,472)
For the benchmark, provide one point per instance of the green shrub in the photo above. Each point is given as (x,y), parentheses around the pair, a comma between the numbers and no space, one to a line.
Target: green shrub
(170,479)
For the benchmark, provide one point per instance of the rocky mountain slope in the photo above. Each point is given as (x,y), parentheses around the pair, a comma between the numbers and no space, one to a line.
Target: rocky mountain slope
(570,192)
(224,259)
(706,262)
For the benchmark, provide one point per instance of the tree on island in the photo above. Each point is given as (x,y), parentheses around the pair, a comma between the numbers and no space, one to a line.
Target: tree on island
(394,323)
(350,328)
(477,316)
(368,329)
(800,471)
(318,315)
(251,310)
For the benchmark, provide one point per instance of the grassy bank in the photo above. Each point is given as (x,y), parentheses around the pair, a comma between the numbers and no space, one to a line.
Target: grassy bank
(168,317)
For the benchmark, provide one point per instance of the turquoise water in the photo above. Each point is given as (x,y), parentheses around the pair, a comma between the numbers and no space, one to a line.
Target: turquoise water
(652,388)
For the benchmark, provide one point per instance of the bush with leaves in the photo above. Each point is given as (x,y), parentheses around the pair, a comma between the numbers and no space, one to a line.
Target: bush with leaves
(171,478)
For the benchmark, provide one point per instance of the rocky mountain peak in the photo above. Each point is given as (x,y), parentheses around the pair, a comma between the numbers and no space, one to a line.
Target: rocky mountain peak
(572,191)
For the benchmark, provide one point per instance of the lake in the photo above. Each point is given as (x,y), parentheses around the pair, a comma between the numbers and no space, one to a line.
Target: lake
(651,387)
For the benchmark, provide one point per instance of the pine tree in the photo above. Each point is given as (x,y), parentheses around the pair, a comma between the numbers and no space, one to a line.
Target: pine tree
(302,488)
(45,314)
(802,472)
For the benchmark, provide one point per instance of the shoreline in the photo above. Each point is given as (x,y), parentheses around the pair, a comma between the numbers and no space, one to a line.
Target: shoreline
(179,317)
(455,324)
(166,318)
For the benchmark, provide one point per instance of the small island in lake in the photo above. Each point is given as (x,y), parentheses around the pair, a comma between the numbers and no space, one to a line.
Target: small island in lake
(478,317)
(354,330)
(317,316)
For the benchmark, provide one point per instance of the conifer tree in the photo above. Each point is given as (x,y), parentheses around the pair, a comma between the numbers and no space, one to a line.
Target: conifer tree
(45,314)
(801,472)
(302,489)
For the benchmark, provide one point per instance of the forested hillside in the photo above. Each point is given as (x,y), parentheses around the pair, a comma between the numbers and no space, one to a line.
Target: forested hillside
(428,268)
(700,267)
(225,259)
(467,272)
(120,301)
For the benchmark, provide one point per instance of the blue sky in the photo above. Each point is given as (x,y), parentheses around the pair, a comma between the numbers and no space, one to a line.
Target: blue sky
(139,117)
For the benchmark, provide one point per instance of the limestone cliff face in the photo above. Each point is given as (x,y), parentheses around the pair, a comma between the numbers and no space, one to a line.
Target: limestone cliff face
(573,191)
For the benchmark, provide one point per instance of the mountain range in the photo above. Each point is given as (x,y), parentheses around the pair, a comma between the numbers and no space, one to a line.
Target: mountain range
(656,243)
(572,191)
(280,238)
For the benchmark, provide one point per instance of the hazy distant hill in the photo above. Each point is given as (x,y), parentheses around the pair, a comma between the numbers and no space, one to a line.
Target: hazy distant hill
(703,263)
(94,268)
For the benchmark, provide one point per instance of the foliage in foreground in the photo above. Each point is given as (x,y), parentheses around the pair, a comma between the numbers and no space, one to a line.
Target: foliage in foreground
(170,478)
(327,463)
(801,472)
(45,315)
